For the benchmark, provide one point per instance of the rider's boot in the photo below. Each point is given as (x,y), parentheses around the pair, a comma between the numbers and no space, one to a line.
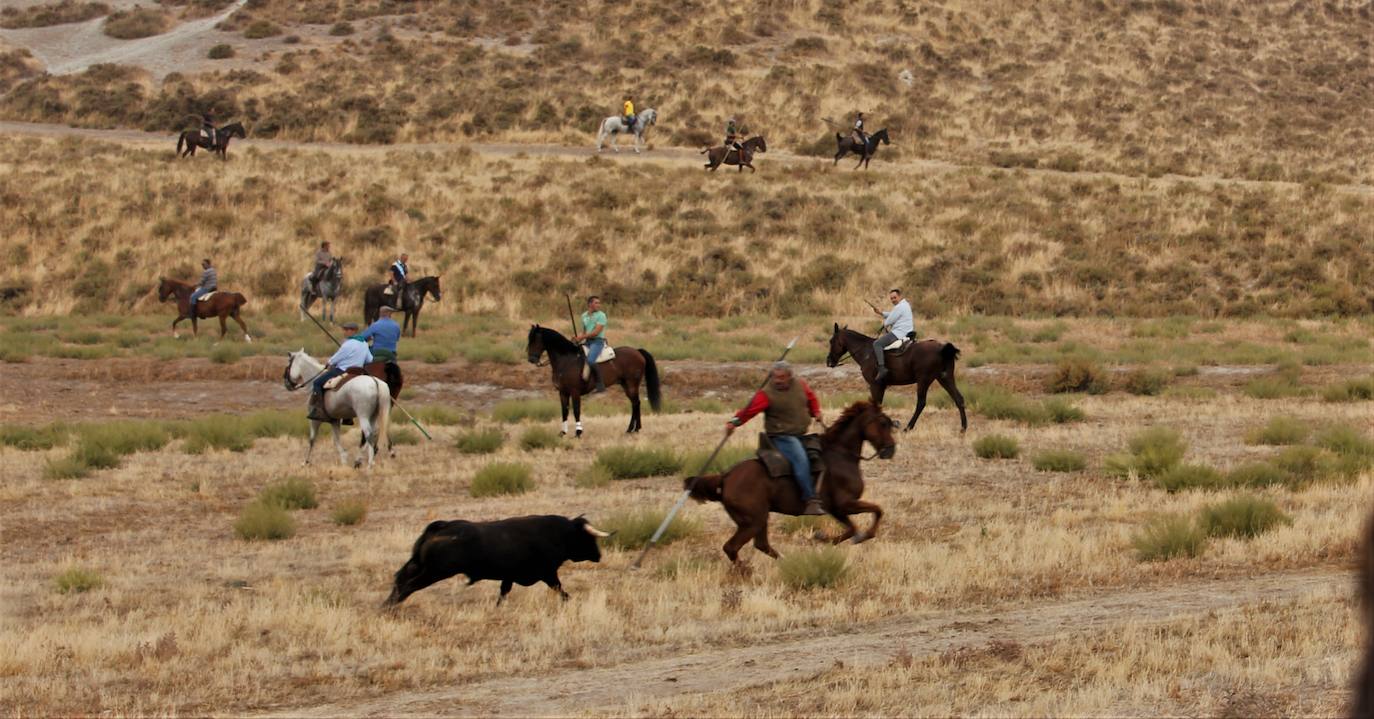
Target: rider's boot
(315,409)
(596,377)
(813,508)
(881,377)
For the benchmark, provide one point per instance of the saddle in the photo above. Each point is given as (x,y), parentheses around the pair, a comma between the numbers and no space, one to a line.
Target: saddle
(777,465)
(207,295)
(607,354)
(344,378)
(902,345)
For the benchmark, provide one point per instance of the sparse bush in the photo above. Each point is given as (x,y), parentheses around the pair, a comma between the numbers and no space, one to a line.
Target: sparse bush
(1345,440)
(123,437)
(1279,431)
(49,14)
(290,493)
(1256,474)
(1169,536)
(68,467)
(33,438)
(997,403)
(1352,390)
(404,437)
(519,410)
(1244,516)
(1152,452)
(440,415)
(539,438)
(261,520)
(820,568)
(348,512)
(220,52)
(593,476)
(259,29)
(137,23)
(730,455)
(480,441)
(341,29)
(1059,460)
(1301,463)
(1189,476)
(1076,375)
(633,462)
(225,354)
(632,529)
(1146,381)
(77,580)
(215,432)
(996,446)
(501,478)
(1061,411)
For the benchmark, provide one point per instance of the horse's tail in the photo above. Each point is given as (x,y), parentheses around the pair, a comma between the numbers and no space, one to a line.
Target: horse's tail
(949,353)
(707,488)
(181,142)
(651,380)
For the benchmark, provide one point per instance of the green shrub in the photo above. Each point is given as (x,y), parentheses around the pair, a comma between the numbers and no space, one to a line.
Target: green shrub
(225,354)
(1346,440)
(729,456)
(518,410)
(801,524)
(440,415)
(539,438)
(592,476)
(260,29)
(501,478)
(220,52)
(814,568)
(1169,536)
(290,493)
(1189,476)
(997,403)
(1076,375)
(480,441)
(33,438)
(996,446)
(1256,474)
(1060,411)
(1285,382)
(1059,460)
(123,437)
(1152,452)
(1145,381)
(341,28)
(633,462)
(1244,516)
(76,580)
(1279,431)
(269,423)
(66,468)
(136,23)
(215,432)
(348,512)
(1302,464)
(1352,390)
(632,529)
(262,520)
(404,437)
(14,355)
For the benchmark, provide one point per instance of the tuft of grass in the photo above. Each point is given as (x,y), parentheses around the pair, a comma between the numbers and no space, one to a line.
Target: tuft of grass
(996,446)
(221,51)
(820,568)
(215,432)
(1279,431)
(632,529)
(480,441)
(593,476)
(34,438)
(501,478)
(1351,390)
(1285,382)
(634,462)
(1076,375)
(66,468)
(77,580)
(1345,440)
(1169,536)
(1060,411)
(1256,474)
(539,438)
(405,437)
(290,493)
(1244,516)
(348,512)
(1146,381)
(997,403)
(440,415)
(1059,460)
(1189,476)
(729,456)
(225,354)
(519,410)
(264,520)
(136,23)
(123,437)
(1151,453)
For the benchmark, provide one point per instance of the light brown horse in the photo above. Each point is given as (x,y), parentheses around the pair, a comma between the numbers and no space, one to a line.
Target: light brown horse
(221,304)
(628,369)
(921,363)
(750,494)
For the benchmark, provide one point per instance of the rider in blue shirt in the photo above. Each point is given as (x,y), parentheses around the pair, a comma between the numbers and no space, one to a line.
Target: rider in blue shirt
(385,334)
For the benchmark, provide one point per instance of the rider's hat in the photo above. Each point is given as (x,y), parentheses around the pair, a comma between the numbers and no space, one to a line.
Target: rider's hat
(349,326)
(384,309)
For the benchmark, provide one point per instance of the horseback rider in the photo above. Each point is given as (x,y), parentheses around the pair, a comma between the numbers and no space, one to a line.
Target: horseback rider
(209,282)
(352,353)
(898,324)
(629,118)
(732,138)
(385,334)
(207,124)
(594,335)
(397,279)
(788,405)
(322,262)
(860,137)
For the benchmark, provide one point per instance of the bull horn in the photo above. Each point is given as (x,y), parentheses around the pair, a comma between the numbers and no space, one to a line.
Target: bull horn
(595,532)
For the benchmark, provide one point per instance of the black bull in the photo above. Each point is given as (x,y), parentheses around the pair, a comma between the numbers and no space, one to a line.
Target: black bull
(520,550)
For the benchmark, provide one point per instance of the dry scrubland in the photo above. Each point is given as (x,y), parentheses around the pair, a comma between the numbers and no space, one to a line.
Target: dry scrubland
(92,227)
(1263,90)
(117,612)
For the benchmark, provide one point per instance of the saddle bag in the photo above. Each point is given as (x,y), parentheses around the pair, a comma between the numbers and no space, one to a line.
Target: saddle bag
(607,354)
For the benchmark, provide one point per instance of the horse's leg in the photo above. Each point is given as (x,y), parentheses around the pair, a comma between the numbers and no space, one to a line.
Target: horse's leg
(744,531)
(921,389)
(953,392)
(876,391)
(369,443)
(174,326)
(577,411)
(761,540)
(861,507)
(338,445)
(246,337)
(849,529)
(310,447)
(223,328)
(563,400)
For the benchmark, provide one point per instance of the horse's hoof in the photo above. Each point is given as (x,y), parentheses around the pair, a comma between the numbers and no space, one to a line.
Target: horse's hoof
(859,538)
(579,434)
(248,338)
(357,463)
(820,536)
(564,433)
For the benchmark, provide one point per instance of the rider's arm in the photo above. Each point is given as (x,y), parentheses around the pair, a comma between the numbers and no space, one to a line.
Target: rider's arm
(594,332)
(756,405)
(812,402)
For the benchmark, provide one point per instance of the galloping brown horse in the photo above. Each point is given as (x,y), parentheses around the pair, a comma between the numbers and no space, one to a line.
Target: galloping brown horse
(749,494)
(921,364)
(221,304)
(629,367)
(715,156)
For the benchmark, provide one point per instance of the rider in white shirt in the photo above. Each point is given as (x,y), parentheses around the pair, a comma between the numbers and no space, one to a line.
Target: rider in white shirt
(898,323)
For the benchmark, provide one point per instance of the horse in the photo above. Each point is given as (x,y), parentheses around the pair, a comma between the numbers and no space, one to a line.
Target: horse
(922,363)
(412,301)
(365,398)
(219,304)
(327,291)
(191,139)
(845,144)
(716,156)
(615,125)
(750,494)
(567,360)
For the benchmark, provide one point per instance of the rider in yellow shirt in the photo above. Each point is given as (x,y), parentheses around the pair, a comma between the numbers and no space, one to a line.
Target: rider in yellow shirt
(629,114)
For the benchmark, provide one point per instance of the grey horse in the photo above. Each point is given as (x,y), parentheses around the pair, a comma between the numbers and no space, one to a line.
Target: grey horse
(327,293)
(614,126)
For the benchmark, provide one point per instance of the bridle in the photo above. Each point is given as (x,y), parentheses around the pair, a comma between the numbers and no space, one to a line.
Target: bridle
(292,386)
(859,454)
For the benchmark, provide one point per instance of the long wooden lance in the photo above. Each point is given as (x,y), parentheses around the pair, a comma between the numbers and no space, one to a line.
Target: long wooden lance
(408,415)
(688,492)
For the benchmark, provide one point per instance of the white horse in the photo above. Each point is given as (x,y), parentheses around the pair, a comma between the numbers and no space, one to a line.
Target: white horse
(366,398)
(327,292)
(613,126)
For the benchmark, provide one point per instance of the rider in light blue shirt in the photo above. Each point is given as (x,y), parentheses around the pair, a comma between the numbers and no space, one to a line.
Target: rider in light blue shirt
(898,323)
(385,334)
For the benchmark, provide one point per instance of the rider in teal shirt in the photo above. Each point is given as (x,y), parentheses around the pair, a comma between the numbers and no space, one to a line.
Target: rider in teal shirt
(594,334)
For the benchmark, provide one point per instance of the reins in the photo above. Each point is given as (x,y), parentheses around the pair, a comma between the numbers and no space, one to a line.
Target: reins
(291,385)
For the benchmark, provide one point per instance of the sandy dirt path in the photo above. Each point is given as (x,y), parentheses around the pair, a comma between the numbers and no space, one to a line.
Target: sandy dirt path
(803,654)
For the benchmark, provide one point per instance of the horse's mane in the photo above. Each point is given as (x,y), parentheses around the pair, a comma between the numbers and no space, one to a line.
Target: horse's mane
(856,333)
(555,342)
(851,413)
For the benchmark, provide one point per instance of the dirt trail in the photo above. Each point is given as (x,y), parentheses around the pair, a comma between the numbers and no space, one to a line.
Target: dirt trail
(655,155)
(806,653)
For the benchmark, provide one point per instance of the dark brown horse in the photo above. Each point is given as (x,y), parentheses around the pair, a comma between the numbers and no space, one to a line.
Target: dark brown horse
(845,144)
(221,304)
(750,494)
(1362,701)
(191,139)
(716,156)
(629,367)
(921,363)
(412,301)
